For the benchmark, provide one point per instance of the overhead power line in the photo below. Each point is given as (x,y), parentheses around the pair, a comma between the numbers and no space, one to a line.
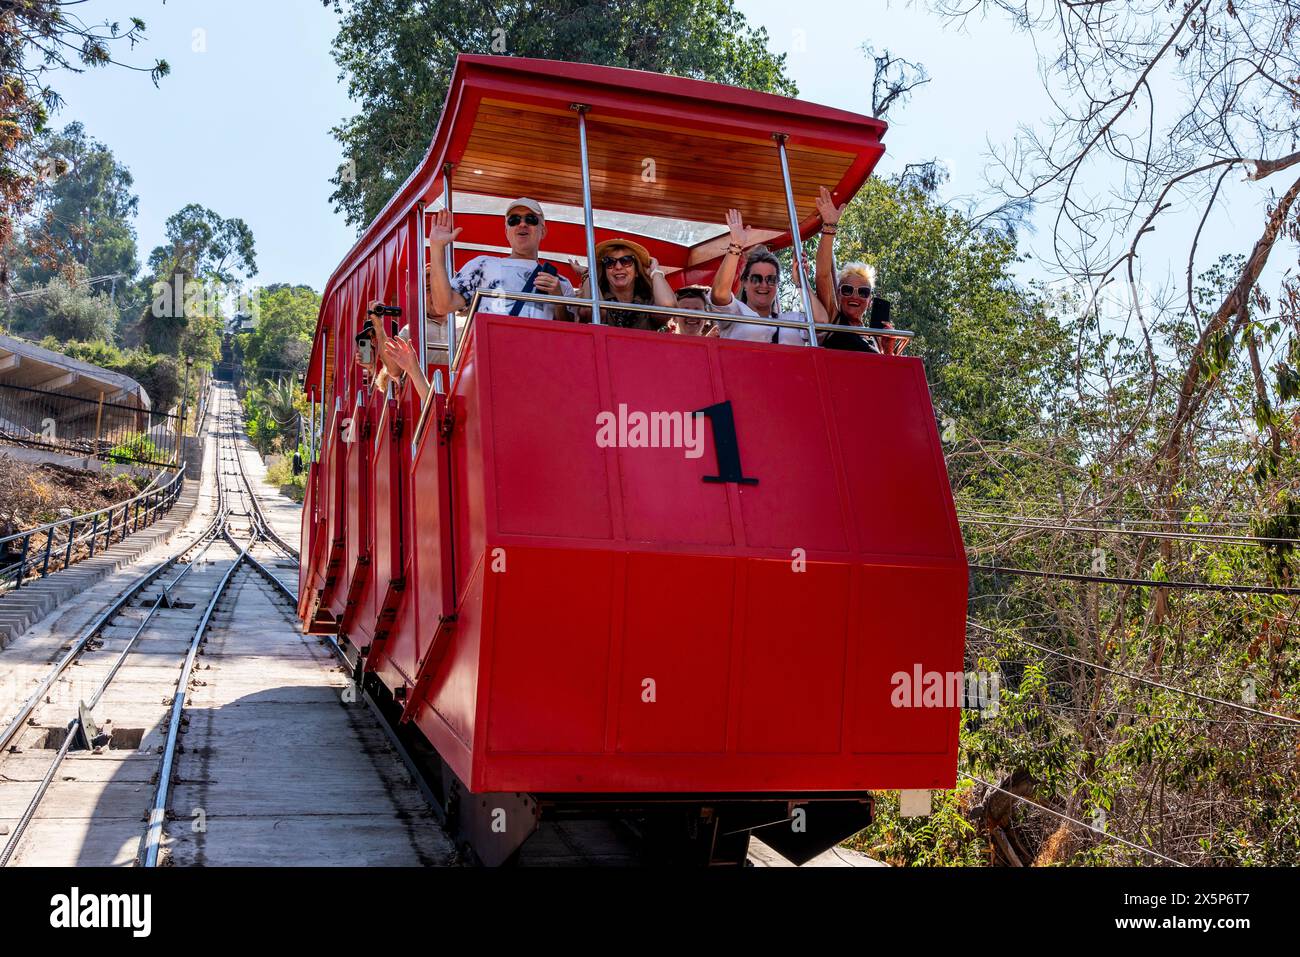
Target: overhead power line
(1147,681)
(1139,582)
(1142,533)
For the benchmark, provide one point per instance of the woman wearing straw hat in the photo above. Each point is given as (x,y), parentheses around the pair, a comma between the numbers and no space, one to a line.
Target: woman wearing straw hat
(628,274)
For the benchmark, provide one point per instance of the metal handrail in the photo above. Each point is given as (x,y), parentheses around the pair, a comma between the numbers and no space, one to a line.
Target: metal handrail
(663,311)
(90,515)
(463,336)
(147,506)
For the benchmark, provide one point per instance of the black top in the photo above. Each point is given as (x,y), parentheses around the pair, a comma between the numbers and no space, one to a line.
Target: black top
(632,319)
(850,341)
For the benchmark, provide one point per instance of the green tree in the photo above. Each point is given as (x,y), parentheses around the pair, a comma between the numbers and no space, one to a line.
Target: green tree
(202,247)
(398,55)
(161,376)
(993,349)
(65,308)
(84,211)
(286,321)
(202,244)
(37,39)
(272,413)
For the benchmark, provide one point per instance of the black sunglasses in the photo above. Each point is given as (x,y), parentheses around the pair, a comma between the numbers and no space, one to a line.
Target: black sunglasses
(761,280)
(514,219)
(863,291)
(609,261)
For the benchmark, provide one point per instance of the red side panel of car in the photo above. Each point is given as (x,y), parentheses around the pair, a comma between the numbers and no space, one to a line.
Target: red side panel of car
(624,624)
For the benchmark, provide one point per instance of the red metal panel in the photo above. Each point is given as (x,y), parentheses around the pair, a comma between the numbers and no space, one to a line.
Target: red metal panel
(905,630)
(335,464)
(548,651)
(308,539)
(892,456)
(387,471)
(396,666)
(357,577)
(450,718)
(546,454)
(781,425)
(662,491)
(683,646)
(388,559)
(468,489)
(771,681)
(431,561)
(791,676)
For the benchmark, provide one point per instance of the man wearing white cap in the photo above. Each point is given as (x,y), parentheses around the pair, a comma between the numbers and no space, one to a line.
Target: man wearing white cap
(519,272)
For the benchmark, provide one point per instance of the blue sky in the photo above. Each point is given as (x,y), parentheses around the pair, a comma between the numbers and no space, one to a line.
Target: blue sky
(242,123)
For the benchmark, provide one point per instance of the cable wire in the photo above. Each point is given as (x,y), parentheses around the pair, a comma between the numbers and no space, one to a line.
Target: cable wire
(1140,582)
(1066,817)
(1147,681)
(1144,533)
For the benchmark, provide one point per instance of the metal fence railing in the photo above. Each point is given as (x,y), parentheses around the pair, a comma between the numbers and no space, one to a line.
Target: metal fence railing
(39,551)
(113,431)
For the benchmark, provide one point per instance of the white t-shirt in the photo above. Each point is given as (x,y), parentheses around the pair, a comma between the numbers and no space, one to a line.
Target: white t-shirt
(751,332)
(486,273)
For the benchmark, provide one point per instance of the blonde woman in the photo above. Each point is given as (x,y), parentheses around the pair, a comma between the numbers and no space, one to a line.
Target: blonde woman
(848,293)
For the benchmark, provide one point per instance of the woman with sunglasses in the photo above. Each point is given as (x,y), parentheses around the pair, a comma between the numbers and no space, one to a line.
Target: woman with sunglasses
(628,274)
(759,281)
(847,294)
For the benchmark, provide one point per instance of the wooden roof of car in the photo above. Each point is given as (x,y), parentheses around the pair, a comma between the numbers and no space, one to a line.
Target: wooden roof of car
(672,153)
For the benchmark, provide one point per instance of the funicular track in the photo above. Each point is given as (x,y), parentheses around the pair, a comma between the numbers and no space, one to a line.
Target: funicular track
(190,722)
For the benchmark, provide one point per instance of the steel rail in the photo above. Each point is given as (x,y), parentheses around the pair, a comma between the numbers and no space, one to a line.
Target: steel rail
(258,514)
(15,838)
(219,528)
(152,841)
(151,844)
(95,627)
(92,630)
(209,537)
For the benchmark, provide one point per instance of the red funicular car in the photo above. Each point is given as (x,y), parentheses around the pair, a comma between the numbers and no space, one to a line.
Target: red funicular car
(699,642)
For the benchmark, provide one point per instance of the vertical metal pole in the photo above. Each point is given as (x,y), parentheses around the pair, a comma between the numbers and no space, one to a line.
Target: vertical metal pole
(593,273)
(99,420)
(796,241)
(94,532)
(72,534)
(421,347)
(22,562)
(449,263)
(49,543)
